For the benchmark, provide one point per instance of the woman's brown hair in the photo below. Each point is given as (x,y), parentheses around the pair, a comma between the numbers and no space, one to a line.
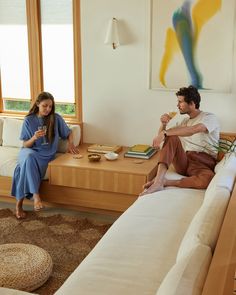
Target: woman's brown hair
(49,120)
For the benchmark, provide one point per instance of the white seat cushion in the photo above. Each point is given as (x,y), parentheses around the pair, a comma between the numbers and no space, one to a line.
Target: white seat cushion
(188,275)
(8,160)
(139,249)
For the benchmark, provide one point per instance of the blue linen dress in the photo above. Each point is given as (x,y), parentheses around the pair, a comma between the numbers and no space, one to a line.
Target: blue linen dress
(33,162)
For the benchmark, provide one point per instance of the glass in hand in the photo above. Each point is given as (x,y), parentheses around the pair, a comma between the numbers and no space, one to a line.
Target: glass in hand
(172,113)
(43,128)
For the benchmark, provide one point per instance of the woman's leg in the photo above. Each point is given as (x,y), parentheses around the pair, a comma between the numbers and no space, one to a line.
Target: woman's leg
(20,213)
(38,205)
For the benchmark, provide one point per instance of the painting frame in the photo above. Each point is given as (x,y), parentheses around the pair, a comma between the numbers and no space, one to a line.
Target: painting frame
(221,59)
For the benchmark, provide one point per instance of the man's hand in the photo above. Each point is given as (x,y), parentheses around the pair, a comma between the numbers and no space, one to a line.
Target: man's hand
(165,118)
(158,140)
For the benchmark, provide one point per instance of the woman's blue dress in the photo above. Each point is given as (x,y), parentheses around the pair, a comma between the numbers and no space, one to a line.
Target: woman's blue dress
(33,162)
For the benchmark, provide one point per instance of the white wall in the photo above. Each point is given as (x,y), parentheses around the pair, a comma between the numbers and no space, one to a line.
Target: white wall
(118,106)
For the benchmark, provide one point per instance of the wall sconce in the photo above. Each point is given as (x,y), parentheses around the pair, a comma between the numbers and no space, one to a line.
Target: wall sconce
(112,36)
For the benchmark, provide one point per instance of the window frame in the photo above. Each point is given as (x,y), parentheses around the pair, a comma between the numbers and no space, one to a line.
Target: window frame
(36,62)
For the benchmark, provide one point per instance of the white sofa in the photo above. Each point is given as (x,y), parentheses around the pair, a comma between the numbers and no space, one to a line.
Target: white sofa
(162,245)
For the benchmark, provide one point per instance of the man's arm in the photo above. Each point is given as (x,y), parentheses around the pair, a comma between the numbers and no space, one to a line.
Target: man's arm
(179,131)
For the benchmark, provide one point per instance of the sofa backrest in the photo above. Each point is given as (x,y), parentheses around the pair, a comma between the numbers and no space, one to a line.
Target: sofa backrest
(206,224)
(10,129)
(187,276)
(11,132)
(1,127)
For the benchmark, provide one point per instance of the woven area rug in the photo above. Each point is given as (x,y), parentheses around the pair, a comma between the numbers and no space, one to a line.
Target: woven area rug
(67,239)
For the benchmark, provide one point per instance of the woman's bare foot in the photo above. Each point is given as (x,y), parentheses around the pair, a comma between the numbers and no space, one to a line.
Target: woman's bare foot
(38,205)
(20,213)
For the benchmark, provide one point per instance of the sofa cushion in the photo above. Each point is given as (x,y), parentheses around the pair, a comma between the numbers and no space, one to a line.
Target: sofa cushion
(188,275)
(8,160)
(1,128)
(206,224)
(11,132)
(223,161)
(13,127)
(138,250)
(63,143)
(225,174)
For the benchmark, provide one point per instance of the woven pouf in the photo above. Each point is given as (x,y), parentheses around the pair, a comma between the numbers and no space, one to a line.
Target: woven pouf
(23,266)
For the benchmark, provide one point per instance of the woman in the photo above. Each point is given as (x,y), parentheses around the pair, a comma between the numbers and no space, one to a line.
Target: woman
(40,133)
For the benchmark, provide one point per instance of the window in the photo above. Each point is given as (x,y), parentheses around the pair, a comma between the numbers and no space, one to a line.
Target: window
(14,56)
(47,56)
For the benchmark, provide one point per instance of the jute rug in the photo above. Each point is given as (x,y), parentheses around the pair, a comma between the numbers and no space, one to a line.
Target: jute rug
(67,239)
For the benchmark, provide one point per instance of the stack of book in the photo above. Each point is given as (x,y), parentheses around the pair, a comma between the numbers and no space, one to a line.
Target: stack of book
(142,151)
(104,148)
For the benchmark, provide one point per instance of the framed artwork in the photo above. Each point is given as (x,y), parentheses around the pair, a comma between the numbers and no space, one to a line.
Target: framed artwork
(192,44)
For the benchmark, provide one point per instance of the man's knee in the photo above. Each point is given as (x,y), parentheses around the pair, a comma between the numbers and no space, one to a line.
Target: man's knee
(172,139)
(205,179)
(199,181)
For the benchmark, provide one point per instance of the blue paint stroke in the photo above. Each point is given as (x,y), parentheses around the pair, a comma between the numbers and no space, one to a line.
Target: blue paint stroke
(184,32)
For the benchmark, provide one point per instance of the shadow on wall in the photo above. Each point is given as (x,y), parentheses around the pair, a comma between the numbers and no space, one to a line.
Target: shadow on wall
(126,35)
(98,134)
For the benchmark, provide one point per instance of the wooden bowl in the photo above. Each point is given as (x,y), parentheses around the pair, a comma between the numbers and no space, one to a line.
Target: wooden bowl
(94,157)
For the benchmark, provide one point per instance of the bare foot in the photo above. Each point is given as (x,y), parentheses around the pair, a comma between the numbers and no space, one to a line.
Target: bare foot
(20,213)
(147,184)
(38,205)
(155,187)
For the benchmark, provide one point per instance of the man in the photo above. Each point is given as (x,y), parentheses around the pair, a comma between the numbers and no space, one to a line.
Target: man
(188,146)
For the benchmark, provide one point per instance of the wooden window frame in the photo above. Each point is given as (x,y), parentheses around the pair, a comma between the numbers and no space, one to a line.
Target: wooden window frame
(36,64)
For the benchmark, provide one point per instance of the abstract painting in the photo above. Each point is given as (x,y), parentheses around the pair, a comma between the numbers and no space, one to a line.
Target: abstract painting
(192,44)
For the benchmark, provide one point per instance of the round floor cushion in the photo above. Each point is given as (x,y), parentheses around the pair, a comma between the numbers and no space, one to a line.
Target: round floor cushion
(23,266)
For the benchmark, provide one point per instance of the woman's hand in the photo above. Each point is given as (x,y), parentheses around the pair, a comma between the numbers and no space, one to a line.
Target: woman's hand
(72,149)
(38,134)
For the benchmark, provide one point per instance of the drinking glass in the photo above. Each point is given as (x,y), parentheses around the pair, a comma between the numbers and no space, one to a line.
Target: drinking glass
(172,113)
(44,128)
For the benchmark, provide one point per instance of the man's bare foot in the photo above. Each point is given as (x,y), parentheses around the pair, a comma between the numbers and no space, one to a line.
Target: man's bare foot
(148,184)
(20,213)
(38,205)
(155,187)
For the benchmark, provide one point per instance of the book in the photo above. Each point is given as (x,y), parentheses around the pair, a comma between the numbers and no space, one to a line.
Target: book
(141,156)
(104,148)
(140,153)
(139,148)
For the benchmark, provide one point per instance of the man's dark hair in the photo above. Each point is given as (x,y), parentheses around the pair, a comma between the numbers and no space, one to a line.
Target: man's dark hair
(190,94)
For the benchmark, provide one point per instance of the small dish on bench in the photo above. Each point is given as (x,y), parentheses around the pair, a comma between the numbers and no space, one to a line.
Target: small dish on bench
(111,156)
(94,157)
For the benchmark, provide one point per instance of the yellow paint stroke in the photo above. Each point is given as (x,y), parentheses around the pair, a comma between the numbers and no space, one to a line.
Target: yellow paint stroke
(171,47)
(202,11)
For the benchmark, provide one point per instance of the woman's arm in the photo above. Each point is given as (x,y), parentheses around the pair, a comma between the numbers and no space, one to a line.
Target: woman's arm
(37,134)
(71,147)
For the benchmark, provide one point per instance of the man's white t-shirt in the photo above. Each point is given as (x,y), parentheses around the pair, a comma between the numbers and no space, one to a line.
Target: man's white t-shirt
(202,142)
